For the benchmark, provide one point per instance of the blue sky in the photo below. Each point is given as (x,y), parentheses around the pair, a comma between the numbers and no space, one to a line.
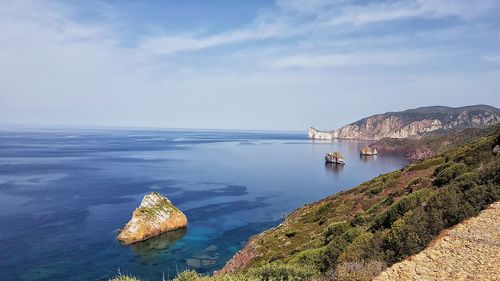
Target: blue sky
(265,65)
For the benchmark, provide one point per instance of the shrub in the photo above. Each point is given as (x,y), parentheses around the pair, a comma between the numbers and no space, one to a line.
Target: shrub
(312,258)
(451,170)
(188,275)
(408,235)
(122,277)
(426,164)
(291,233)
(398,208)
(281,272)
(335,230)
(333,251)
(365,246)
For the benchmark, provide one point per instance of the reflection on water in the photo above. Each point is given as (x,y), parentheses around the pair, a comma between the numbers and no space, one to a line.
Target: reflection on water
(335,169)
(366,158)
(158,243)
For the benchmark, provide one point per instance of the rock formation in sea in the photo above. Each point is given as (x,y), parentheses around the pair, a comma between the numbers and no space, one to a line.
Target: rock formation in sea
(413,122)
(155,215)
(366,151)
(334,157)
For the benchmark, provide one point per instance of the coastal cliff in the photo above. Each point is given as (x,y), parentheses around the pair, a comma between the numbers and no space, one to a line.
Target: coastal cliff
(357,233)
(413,122)
(430,144)
(155,215)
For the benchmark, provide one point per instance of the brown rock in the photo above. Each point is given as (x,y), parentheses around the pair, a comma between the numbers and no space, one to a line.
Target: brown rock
(365,151)
(155,215)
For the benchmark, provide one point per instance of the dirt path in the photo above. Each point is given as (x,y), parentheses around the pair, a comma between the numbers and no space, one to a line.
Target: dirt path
(468,251)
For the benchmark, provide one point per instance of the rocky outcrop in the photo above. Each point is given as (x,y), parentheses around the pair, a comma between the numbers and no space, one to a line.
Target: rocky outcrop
(367,151)
(428,145)
(155,215)
(468,251)
(334,157)
(413,122)
(314,133)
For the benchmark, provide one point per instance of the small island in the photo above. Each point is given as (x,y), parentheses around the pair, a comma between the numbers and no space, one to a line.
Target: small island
(367,151)
(334,157)
(155,215)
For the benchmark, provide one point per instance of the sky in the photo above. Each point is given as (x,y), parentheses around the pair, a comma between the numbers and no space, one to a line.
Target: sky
(249,64)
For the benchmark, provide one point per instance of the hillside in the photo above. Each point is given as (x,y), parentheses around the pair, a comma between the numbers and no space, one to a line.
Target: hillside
(356,234)
(413,122)
(383,220)
(430,144)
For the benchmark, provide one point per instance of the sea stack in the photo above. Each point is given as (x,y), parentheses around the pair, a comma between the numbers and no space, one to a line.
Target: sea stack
(155,215)
(366,151)
(334,157)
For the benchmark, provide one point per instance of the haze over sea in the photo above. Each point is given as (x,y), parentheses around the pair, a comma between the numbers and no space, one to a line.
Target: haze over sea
(64,193)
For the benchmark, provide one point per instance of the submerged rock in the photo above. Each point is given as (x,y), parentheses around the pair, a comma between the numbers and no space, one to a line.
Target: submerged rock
(155,215)
(334,157)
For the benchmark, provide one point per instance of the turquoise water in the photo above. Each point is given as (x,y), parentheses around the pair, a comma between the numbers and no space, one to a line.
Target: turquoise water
(65,193)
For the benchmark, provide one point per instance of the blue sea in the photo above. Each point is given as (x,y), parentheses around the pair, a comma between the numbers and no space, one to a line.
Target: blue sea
(64,193)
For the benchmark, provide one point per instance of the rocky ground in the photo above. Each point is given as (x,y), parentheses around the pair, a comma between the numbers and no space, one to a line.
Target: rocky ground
(468,251)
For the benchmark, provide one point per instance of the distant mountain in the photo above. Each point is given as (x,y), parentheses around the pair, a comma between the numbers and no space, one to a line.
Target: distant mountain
(413,122)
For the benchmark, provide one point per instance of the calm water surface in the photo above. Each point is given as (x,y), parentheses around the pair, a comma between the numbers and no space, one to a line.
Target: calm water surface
(64,194)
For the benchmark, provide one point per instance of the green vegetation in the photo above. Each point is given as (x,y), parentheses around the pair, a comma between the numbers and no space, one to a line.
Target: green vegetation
(122,277)
(355,234)
(432,143)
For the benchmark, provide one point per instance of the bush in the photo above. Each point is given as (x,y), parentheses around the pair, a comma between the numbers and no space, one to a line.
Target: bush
(365,246)
(188,275)
(335,230)
(333,251)
(408,235)
(426,164)
(312,258)
(447,172)
(281,272)
(122,277)
(400,207)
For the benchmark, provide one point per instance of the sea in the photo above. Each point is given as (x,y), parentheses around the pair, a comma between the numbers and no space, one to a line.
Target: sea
(66,192)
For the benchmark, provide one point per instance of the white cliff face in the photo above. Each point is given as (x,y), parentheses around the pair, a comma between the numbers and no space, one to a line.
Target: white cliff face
(411,123)
(313,133)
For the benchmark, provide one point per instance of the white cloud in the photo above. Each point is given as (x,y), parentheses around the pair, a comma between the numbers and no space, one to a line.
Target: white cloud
(386,58)
(56,69)
(397,10)
(167,45)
